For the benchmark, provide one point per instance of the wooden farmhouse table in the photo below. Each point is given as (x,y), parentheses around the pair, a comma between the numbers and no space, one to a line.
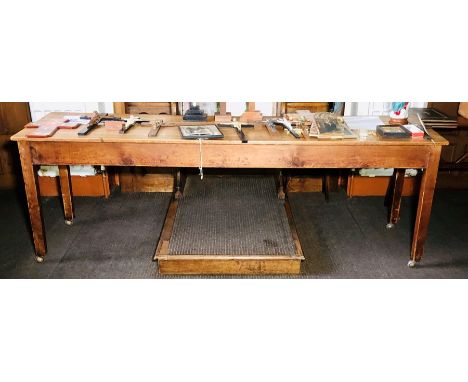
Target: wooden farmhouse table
(265,149)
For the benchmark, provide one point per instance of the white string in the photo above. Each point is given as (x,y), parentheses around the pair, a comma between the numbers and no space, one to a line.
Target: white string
(201,160)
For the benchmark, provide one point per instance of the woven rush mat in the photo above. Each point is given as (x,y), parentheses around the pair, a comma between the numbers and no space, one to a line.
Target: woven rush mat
(231,215)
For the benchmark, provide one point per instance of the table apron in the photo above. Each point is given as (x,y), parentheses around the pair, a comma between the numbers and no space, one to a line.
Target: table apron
(231,155)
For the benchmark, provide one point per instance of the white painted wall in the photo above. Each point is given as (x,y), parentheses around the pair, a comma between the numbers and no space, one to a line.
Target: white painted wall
(237,108)
(39,109)
(374,108)
(208,107)
(266,108)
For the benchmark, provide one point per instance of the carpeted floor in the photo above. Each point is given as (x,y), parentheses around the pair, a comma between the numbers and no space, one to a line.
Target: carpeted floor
(239,215)
(345,238)
(113,238)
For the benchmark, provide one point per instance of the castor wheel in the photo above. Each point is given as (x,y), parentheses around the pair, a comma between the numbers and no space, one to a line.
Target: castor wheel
(411,263)
(68,222)
(390,226)
(39,259)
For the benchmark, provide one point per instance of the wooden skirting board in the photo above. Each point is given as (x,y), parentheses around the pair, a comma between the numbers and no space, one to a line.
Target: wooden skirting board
(224,264)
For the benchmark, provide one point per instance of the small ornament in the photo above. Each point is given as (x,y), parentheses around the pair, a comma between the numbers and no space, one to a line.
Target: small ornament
(399,113)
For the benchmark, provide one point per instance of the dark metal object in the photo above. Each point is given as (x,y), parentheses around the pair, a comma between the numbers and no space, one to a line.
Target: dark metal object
(238,126)
(242,136)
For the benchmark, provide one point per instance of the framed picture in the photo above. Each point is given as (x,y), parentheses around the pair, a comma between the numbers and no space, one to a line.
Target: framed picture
(392,131)
(200,132)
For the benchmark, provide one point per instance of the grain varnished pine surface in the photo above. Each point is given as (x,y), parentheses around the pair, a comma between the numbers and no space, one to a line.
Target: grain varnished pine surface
(170,134)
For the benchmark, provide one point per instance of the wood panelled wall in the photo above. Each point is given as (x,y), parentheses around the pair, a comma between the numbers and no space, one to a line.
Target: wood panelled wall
(13,117)
(314,107)
(169,108)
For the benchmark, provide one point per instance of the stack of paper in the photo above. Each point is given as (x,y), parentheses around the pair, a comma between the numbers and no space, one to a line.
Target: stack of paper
(363,122)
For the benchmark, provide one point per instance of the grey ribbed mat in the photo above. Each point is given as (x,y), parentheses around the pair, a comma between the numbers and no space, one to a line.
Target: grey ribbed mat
(231,215)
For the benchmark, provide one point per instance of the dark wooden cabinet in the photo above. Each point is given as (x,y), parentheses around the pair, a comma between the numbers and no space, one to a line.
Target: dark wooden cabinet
(13,117)
(453,168)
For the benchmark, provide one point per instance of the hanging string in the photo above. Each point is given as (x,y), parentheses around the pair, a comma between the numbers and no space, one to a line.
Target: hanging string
(201,160)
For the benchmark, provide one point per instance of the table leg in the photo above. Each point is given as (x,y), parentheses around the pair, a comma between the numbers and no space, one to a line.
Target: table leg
(326,186)
(397,183)
(281,186)
(33,199)
(65,189)
(179,183)
(426,194)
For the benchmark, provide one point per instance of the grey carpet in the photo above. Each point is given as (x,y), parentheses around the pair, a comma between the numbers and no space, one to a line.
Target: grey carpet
(345,238)
(110,238)
(231,215)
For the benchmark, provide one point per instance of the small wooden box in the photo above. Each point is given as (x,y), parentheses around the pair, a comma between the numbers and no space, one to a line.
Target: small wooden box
(378,185)
(95,185)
